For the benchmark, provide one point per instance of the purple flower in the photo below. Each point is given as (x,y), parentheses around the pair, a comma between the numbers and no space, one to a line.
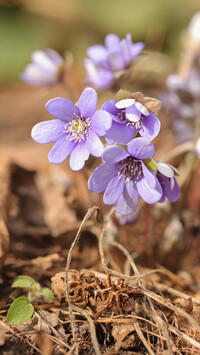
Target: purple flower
(182,102)
(125,177)
(46,68)
(129,219)
(128,117)
(197,147)
(107,60)
(76,131)
(116,54)
(165,175)
(191,85)
(99,78)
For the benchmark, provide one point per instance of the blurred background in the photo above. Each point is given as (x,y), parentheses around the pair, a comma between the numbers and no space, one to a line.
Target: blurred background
(26,25)
(73,25)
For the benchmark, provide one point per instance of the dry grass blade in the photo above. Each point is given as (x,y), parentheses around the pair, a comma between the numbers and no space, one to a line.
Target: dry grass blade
(87,216)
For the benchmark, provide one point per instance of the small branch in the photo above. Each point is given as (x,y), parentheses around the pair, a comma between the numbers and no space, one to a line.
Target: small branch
(179,150)
(101,252)
(87,216)
(92,329)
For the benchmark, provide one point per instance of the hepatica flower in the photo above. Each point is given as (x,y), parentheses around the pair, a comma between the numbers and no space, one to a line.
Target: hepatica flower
(114,57)
(125,177)
(46,68)
(182,102)
(76,131)
(165,175)
(99,78)
(129,116)
(197,147)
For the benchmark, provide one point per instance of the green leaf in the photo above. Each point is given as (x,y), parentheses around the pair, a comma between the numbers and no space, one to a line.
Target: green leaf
(25,282)
(45,291)
(20,311)
(150,164)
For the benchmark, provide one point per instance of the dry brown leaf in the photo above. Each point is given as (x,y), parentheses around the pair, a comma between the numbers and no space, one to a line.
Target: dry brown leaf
(2,336)
(58,285)
(153,105)
(4,240)
(44,343)
(120,332)
(57,214)
(138,96)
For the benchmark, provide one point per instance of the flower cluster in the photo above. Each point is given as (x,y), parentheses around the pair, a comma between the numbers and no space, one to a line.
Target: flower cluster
(128,124)
(106,63)
(182,99)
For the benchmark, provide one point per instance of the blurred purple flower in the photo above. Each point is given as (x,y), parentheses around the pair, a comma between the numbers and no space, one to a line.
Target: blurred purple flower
(46,68)
(105,61)
(125,177)
(182,102)
(129,116)
(129,219)
(165,175)
(191,85)
(197,147)
(76,132)
(99,78)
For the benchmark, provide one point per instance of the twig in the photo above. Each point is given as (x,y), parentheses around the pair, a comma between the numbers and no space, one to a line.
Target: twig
(92,329)
(20,337)
(87,216)
(173,291)
(101,252)
(141,336)
(175,309)
(181,149)
(184,336)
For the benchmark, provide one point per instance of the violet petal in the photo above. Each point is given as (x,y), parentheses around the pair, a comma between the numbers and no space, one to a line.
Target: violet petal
(41,59)
(114,154)
(132,114)
(94,144)
(115,61)
(48,131)
(136,48)
(128,201)
(61,150)
(119,133)
(78,156)
(148,193)
(150,126)
(101,177)
(101,122)
(141,148)
(36,76)
(113,190)
(97,53)
(112,42)
(87,102)
(62,108)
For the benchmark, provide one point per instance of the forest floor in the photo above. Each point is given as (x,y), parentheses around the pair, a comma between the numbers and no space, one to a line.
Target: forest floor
(132,289)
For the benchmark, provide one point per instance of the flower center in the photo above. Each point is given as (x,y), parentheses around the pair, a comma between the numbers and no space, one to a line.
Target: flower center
(77,129)
(122,117)
(130,168)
